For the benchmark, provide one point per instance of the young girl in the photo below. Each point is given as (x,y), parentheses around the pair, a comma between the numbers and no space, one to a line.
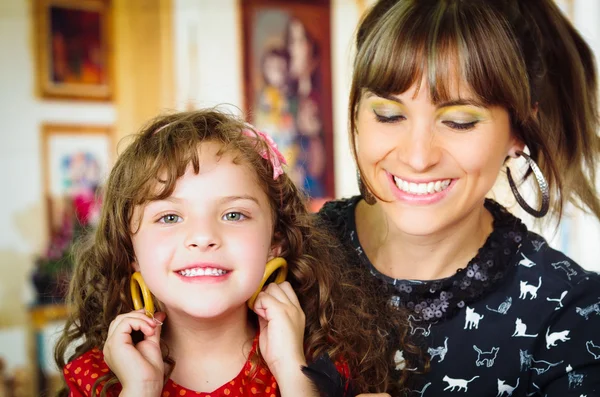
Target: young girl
(198,204)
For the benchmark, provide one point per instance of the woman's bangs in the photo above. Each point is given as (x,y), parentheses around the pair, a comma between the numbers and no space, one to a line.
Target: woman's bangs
(454,57)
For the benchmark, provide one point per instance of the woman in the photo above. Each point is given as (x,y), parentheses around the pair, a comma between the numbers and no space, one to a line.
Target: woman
(445,95)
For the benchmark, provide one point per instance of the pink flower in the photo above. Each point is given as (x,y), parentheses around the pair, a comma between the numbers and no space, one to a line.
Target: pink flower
(273,154)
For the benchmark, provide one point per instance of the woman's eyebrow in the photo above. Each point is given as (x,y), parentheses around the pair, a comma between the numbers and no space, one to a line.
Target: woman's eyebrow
(460,102)
(452,102)
(385,96)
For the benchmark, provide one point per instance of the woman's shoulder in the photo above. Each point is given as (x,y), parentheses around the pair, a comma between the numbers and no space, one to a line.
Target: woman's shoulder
(555,263)
(338,214)
(538,263)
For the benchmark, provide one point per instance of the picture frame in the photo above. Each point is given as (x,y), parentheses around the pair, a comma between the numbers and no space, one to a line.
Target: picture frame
(287,85)
(76,160)
(74,49)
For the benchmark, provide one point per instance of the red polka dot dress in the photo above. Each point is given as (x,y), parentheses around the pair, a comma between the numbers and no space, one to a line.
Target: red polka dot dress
(81,374)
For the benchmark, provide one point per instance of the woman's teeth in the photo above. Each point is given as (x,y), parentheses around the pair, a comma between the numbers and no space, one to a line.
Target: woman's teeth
(205,271)
(422,188)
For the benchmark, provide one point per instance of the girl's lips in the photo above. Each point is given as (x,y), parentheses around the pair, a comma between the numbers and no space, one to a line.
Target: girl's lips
(203,275)
(202,265)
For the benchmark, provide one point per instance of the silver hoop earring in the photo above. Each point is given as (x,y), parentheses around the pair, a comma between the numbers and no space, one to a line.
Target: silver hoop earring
(542,183)
(364,192)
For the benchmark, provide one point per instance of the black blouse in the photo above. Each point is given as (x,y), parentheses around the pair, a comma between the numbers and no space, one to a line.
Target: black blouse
(520,319)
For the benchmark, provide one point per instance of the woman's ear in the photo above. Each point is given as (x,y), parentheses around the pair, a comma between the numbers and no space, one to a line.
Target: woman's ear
(135,266)
(516,146)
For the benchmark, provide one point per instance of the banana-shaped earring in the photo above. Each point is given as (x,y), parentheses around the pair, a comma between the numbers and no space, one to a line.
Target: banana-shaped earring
(275,264)
(136,284)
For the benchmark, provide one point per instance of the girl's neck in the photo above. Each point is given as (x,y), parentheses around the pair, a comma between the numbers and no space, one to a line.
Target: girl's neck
(402,256)
(208,353)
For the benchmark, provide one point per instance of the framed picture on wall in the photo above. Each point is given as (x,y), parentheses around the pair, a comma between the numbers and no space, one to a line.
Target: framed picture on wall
(74,46)
(75,163)
(287,85)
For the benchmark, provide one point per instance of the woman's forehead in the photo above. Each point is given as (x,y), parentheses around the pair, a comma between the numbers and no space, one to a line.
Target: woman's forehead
(456,90)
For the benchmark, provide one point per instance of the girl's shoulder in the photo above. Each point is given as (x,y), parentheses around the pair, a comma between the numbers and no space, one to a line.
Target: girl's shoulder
(84,371)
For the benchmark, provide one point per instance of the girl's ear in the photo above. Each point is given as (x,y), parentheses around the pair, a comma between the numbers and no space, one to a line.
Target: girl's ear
(275,251)
(135,266)
(276,246)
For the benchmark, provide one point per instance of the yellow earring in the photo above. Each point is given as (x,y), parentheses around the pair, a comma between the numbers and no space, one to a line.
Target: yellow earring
(273,265)
(136,284)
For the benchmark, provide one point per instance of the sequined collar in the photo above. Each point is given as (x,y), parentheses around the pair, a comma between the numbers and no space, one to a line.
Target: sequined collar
(436,300)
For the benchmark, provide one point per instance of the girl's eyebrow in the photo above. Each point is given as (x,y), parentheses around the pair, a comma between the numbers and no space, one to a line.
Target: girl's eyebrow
(228,199)
(222,200)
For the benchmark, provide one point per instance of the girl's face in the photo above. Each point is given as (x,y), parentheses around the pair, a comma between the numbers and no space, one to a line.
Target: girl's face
(202,252)
(433,163)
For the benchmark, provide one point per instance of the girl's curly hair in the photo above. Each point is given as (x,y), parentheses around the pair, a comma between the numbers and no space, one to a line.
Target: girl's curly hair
(341,319)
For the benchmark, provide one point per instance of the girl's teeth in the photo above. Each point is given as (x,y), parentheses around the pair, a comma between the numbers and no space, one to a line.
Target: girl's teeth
(422,188)
(207,271)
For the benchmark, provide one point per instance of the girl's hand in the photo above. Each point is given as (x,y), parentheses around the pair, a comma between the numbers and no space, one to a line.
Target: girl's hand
(139,367)
(281,341)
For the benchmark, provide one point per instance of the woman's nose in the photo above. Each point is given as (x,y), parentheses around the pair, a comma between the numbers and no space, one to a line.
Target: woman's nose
(419,148)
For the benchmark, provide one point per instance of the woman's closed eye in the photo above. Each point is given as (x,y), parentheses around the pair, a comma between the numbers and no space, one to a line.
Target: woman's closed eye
(234,216)
(460,125)
(388,117)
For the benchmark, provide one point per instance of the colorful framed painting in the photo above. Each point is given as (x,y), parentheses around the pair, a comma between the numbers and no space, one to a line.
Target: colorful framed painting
(74,46)
(75,163)
(287,85)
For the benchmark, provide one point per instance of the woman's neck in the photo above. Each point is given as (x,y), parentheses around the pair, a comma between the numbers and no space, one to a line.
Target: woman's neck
(208,353)
(409,257)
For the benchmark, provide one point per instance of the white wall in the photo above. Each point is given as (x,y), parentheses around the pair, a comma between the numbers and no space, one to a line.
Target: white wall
(22,226)
(208,53)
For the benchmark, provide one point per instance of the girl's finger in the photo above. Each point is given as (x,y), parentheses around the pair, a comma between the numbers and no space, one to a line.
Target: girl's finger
(159,318)
(275,291)
(140,314)
(128,324)
(267,306)
(290,293)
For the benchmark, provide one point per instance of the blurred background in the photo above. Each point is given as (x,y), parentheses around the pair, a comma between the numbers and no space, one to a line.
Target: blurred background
(78,76)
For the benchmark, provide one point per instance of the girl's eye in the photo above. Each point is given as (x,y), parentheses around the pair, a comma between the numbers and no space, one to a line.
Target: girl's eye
(388,118)
(460,126)
(234,216)
(170,219)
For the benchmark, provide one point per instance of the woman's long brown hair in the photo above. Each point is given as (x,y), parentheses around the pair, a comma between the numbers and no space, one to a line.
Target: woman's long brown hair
(341,319)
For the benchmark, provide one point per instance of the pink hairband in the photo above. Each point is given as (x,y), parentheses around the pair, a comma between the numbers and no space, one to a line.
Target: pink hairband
(275,157)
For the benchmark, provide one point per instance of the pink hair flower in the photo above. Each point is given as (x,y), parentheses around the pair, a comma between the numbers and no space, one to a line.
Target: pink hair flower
(272,154)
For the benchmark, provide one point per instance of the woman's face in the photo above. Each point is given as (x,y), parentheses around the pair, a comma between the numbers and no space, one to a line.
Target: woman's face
(433,163)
